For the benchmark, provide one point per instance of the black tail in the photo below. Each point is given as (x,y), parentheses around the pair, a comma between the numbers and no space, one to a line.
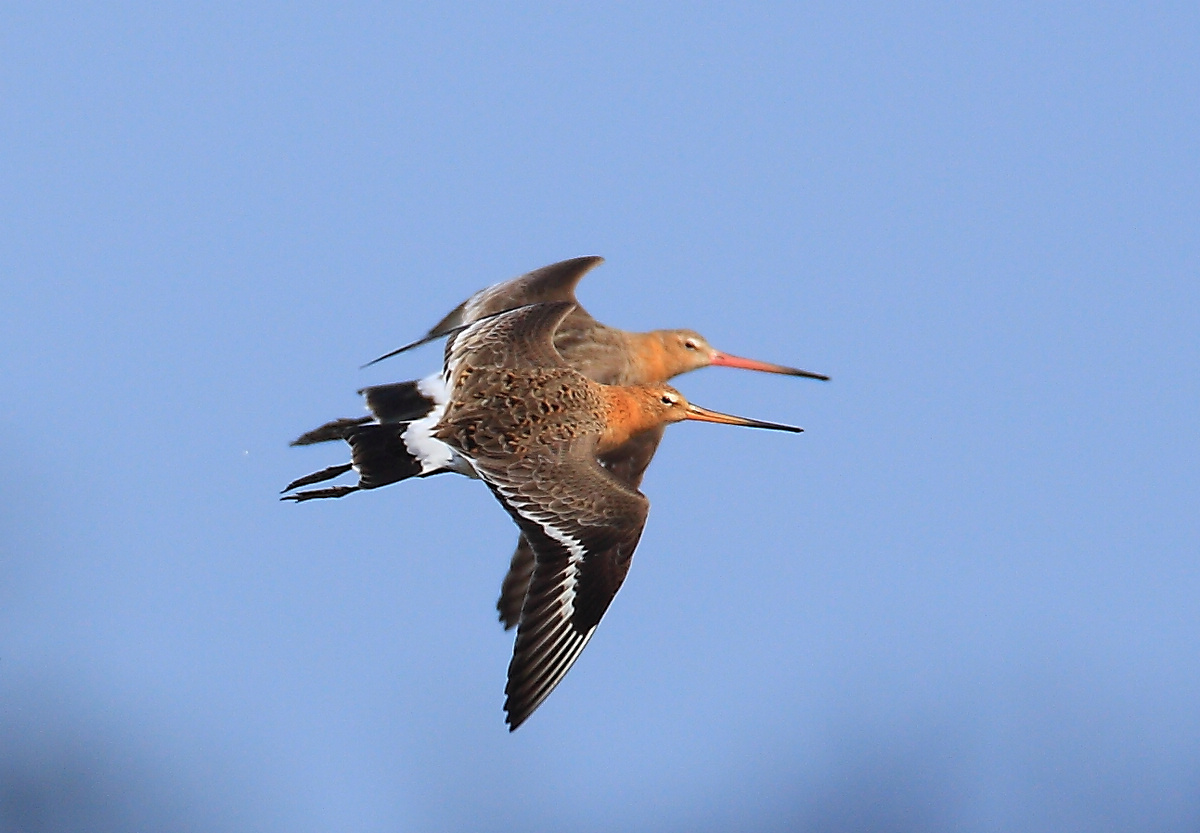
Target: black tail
(380,455)
(399,402)
(377,453)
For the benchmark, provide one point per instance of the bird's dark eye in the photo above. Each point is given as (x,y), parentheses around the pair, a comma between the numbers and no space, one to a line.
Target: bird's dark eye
(690,344)
(668,400)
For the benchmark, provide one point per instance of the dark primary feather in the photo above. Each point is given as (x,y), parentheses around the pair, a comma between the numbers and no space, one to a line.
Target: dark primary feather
(628,464)
(318,477)
(555,282)
(515,583)
(564,494)
(335,429)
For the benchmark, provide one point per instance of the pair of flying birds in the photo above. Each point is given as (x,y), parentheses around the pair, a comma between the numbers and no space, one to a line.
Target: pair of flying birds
(559,415)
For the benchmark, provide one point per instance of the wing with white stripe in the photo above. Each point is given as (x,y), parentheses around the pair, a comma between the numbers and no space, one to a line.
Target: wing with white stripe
(583,527)
(628,464)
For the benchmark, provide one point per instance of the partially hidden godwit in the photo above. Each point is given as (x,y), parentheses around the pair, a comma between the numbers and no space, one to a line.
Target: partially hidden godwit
(395,442)
(534,429)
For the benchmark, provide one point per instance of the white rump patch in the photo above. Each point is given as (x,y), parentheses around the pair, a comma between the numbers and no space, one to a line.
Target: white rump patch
(418,438)
(433,386)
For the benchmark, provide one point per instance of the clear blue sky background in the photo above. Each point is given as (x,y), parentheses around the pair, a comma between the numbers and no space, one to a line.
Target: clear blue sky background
(968,598)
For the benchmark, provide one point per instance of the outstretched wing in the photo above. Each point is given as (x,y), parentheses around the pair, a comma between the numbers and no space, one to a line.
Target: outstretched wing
(555,282)
(519,339)
(628,464)
(583,526)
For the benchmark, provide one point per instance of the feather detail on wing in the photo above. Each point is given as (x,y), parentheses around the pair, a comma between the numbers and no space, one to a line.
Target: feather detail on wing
(582,526)
(529,425)
(628,464)
(519,339)
(555,282)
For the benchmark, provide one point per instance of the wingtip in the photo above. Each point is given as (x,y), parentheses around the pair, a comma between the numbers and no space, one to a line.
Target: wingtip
(425,339)
(335,429)
(515,718)
(318,476)
(318,494)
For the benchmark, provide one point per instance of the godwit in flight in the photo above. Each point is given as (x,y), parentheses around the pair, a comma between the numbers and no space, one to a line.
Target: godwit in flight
(534,429)
(395,442)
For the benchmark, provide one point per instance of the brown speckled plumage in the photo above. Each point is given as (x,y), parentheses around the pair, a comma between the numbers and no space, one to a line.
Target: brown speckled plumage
(533,428)
(601,353)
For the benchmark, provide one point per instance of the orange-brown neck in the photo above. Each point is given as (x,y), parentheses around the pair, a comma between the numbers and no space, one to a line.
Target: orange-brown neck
(650,358)
(628,412)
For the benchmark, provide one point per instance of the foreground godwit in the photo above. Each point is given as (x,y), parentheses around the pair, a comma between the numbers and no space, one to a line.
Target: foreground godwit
(533,428)
(395,442)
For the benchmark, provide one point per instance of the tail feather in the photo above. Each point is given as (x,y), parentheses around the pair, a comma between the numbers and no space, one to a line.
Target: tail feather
(380,455)
(333,430)
(399,402)
(377,453)
(378,450)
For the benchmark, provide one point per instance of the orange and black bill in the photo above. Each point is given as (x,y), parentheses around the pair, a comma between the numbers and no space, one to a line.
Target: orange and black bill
(720,359)
(705,415)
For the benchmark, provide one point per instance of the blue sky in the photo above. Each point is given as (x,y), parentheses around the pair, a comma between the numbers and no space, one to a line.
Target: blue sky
(964,599)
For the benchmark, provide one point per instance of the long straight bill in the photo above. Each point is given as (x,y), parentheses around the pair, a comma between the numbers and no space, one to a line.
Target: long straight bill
(705,415)
(720,359)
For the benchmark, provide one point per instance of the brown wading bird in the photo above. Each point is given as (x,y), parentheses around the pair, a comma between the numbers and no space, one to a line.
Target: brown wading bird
(533,428)
(396,443)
